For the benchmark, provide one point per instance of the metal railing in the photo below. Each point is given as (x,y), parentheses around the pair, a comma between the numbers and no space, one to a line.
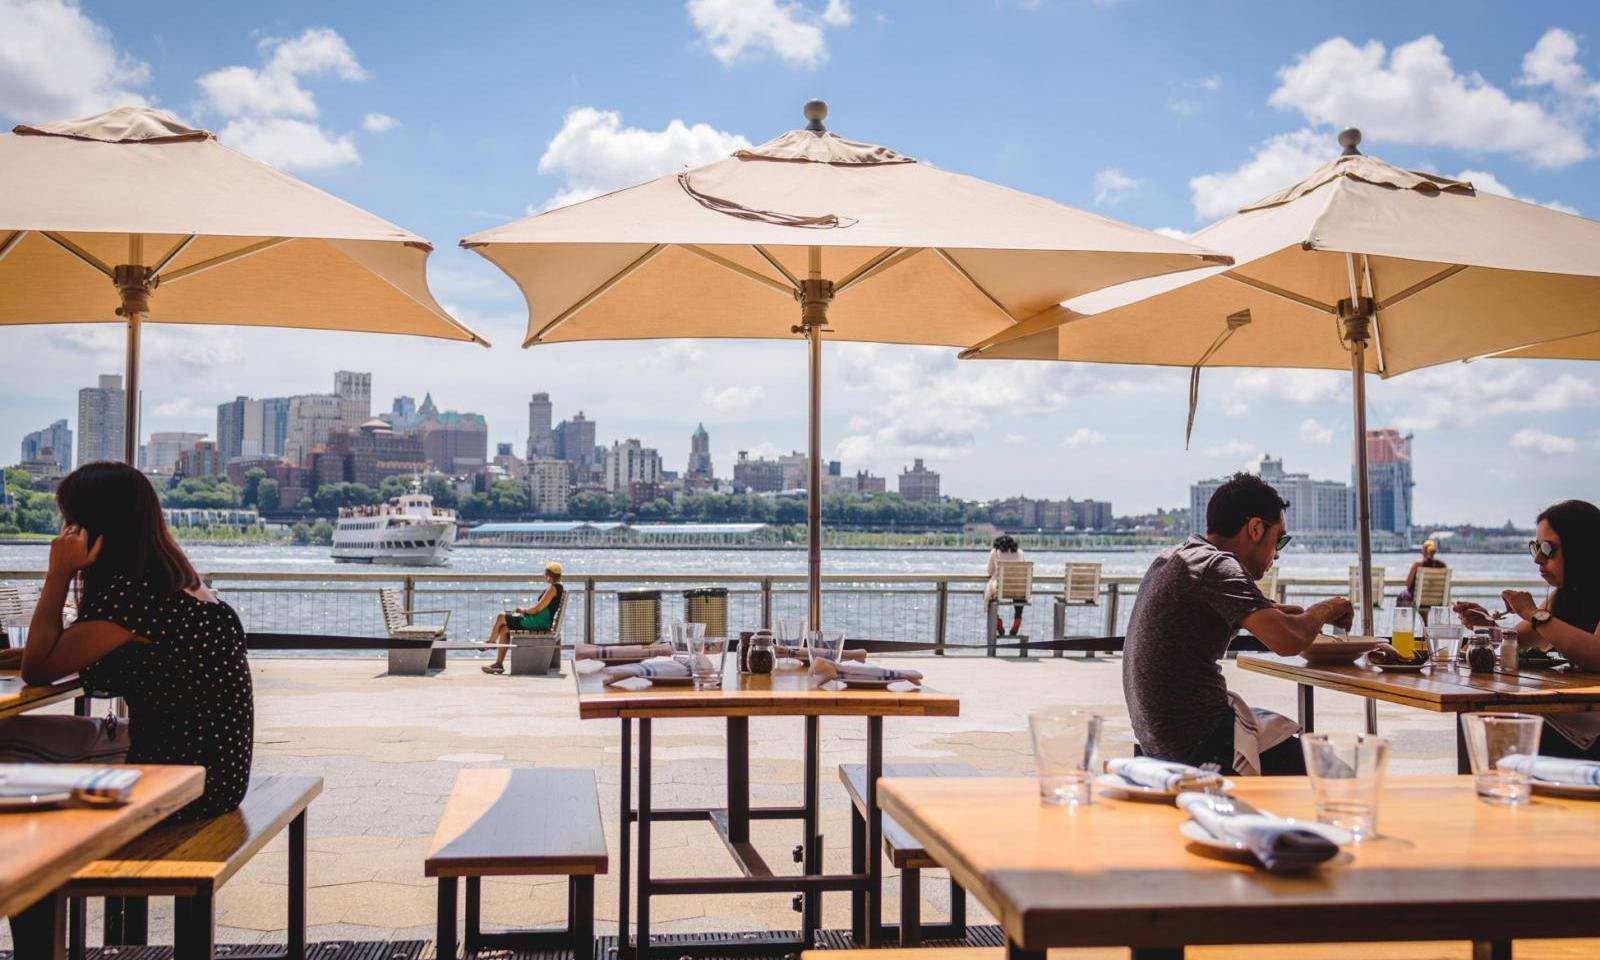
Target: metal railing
(942,610)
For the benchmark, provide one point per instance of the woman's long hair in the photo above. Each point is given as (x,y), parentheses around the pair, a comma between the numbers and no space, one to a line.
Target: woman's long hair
(1005,543)
(1577,523)
(116,505)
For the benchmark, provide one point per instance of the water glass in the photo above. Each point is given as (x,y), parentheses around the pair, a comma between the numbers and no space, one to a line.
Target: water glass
(787,632)
(1346,771)
(1491,736)
(827,644)
(1066,752)
(1444,642)
(683,635)
(707,659)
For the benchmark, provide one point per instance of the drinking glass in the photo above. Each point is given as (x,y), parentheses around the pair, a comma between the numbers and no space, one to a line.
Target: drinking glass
(1403,630)
(1066,752)
(787,632)
(1346,771)
(827,644)
(707,656)
(1444,640)
(1491,736)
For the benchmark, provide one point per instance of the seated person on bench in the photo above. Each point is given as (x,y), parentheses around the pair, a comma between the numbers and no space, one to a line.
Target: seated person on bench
(540,616)
(149,631)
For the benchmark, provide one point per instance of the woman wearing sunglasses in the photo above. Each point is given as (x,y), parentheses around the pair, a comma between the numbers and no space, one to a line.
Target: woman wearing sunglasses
(1566,549)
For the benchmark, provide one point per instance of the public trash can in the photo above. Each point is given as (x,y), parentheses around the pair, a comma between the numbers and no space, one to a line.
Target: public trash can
(707,605)
(638,616)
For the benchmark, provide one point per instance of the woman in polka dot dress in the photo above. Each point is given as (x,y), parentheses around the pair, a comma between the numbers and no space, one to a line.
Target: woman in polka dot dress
(148,631)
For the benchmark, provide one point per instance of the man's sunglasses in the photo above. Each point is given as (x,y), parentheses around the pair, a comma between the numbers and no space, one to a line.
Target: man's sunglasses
(1542,548)
(1283,541)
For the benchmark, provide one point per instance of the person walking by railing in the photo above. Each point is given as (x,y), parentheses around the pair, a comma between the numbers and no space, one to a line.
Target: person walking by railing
(540,616)
(1005,549)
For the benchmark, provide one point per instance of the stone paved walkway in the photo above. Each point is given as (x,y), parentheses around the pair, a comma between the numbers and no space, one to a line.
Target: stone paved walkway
(389,747)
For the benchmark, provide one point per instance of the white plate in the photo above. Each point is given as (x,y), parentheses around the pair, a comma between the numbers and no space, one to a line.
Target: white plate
(1193,831)
(1581,792)
(1111,781)
(34,801)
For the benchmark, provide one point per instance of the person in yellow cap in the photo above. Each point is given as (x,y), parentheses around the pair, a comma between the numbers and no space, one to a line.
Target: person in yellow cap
(540,616)
(1430,558)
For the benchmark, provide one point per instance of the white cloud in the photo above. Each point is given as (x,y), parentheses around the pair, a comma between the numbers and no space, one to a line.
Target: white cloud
(594,153)
(178,408)
(1464,394)
(1274,164)
(57,64)
(1112,186)
(1252,390)
(1553,62)
(1413,94)
(1209,84)
(1537,441)
(1083,437)
(1015,440)
(1232,448)
(1313,432)
(289,144)
(731,399)
(1489,183)
(378,123)
(792,31)
(1172,232)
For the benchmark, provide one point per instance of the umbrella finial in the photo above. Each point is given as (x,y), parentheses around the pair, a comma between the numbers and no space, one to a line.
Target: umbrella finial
(816,111)
(1350,139)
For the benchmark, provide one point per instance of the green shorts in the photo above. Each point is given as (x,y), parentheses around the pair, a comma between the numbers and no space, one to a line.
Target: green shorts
(533,621)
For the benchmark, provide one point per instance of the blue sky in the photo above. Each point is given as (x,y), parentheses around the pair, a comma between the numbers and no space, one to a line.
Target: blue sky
(448,119)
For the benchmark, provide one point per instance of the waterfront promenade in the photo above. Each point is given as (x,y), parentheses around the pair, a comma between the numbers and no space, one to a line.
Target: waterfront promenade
(389,748)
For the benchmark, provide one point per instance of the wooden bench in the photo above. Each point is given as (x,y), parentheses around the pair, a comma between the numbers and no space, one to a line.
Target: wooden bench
(191,861)
(1578,949)
(905,854)
(510,823)
(417,647)
(538,652)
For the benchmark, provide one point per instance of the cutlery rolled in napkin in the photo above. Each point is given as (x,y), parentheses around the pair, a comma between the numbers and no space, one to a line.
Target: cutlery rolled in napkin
(1280,846)
(848,670)
(804,653)
(1162,775)
(654,667)
(1576,773)
(620,651)
(90,784)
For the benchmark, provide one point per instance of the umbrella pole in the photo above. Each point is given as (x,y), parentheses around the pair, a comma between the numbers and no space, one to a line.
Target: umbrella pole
(1356,328)
(815,293)
(133,283)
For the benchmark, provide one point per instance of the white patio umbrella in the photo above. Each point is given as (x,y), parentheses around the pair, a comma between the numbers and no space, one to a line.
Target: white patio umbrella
(131,214)
(814,236)
(1419,268)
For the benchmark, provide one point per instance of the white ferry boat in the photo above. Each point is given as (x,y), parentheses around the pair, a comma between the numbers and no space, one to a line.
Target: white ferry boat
(408,530)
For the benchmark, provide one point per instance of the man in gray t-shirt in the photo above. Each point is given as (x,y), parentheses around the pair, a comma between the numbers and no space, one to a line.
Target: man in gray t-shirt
(1192,600)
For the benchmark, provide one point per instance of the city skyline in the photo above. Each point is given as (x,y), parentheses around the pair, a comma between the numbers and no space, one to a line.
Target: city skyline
(1218,111)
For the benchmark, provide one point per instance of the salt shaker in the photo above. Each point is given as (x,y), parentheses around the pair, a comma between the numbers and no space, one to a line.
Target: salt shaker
(1508,649)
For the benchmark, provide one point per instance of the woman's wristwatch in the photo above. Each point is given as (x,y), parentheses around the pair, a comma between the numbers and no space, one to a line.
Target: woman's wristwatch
(1540,618)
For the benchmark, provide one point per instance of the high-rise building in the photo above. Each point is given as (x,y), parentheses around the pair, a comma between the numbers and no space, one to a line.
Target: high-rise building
(312,416)
(1315,506)
(699,473)
(549,485)
(202,459)
(758,474)
(455,443)
(402,415)
(100,420)
(795,470)
(370,454)
(274,425)
(164,450)
(1388,481)
(54,440)
(575,444)
(231,427)
(919,484)
(541,438)
(629,462)
(354,391)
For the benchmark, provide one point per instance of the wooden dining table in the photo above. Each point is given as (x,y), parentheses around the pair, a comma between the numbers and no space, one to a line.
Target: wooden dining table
(1437,688)
(40,850)
(1116,872)
(18,697)
(784,693)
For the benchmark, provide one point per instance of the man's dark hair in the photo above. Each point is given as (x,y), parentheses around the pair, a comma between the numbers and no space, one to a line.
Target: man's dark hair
(1242,496)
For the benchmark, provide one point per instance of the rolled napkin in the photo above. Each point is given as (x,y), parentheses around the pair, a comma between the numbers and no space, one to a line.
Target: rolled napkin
(1576,773)
(848,670)
(804,653)
(620,651)
(90,784)
(655,667)
(1280,847)
(1163,775)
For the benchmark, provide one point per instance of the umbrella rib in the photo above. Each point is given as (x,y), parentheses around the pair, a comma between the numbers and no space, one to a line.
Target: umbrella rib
(958,268)
(1531,343)
(1377,331)
(765,255)
(77,251)
(596,293)
(11,241)
(1265,287)
(740,269)
(177,248)
(193,269)
(1422,285)
(875,266)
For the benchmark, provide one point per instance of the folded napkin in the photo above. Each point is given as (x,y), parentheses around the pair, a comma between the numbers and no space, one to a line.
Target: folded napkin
(848,670)
(94,784)
(1162,774)
(1577,773)
(620,651)
(804,653)
(654,667)
(1281,848)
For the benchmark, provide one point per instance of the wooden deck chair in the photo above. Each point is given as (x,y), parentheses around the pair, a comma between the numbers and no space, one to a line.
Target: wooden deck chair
(1080,587)
(1268,584)
(1378,575)
(1014,587)
(1433,588)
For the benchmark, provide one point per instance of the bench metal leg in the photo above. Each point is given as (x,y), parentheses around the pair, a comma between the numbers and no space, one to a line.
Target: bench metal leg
(41,930)
(469,935)
(641,947)
(445,934)
(297,888)
(194,928)
(1156,953)
(811,914)
(910,907)
(126,922)
(1463,758)
(1491,950)
(858,866)
(580,915)
(77,927)
(1014,952)
(625,838)
(874,817)
(958,910)
(1305,700)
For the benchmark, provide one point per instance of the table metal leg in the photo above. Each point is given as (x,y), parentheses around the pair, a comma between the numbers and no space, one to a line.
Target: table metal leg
(41,930)
(1305,700)
(1014,952)
(858,865)
(1463,761)
(625,837)
(910,907)
(297,889)
(473,918)
(738,779)
(445,925)
(874,833)
(1156,953)
(1372,715)
(811,914)
(642,898)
